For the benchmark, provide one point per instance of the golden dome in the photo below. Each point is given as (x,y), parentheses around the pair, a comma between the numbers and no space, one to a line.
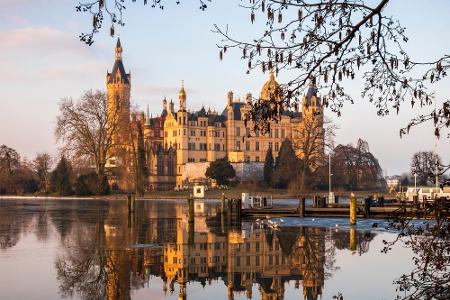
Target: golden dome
(271,89)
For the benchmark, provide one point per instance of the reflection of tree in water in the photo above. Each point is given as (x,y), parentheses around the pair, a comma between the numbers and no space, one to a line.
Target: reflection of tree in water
(15,219)
(96,262)
(82,266)
(341,239)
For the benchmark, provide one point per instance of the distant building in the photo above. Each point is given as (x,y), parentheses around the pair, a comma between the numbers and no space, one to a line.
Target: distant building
(179,137)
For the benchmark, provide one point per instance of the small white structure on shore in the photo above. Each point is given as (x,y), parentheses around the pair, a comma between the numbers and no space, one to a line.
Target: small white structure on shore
(198,191)
(249,201)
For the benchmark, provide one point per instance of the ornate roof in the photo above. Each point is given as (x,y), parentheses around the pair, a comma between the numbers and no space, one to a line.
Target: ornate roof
(118,68)
(311,94)
(271,89)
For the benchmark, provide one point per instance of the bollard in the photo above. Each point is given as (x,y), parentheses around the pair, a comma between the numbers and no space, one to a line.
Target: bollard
(315,201)
(352,209)
(302,207)
(190,209)
(437,208)
(416,201)
(367,201)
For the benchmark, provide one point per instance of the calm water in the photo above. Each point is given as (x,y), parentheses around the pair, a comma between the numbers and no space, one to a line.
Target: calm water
(93,250)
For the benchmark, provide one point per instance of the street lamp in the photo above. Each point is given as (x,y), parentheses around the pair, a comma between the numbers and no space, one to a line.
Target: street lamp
(415,181)
(330,195)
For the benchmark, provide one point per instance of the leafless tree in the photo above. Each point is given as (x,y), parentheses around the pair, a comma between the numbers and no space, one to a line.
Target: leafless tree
(355,167)
(9,170)
(337,41)
(425,164)
(332,40)
(430,244)
(314,136)
(114,9)
(86,129)
(42,165)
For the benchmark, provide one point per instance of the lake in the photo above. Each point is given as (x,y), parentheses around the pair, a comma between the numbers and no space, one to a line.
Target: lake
(93,249)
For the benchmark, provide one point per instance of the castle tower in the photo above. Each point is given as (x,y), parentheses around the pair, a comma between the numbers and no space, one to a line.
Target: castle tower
(118,86)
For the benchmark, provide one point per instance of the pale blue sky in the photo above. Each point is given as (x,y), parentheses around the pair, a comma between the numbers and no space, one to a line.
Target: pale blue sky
(42,61)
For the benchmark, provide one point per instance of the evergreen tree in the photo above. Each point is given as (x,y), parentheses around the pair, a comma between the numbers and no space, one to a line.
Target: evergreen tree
(268,167)
(221,170)
(287,165)
(60,178)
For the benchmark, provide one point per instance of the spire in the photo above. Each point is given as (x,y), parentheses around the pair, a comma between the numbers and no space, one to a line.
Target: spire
(272,75)
(182,97)
(147,121)
(118,50)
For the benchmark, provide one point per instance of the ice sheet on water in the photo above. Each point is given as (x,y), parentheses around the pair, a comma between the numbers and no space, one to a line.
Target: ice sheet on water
(380,225)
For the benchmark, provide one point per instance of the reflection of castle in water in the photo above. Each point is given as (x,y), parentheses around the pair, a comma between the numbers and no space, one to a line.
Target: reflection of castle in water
(241,258)
(106,253)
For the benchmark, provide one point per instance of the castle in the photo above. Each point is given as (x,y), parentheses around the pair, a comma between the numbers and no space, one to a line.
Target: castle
(179,140)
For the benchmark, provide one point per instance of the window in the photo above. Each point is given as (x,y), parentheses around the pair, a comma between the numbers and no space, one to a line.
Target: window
(209,146)
(257,246)
(238,131)
(174,133)
(184,131)
(191,159)
(216,147)
(203,133)
(247,132)
(277,146)
(248,260)
(203,146)
(257,146)
(282,133)
(270,145)
(238,145)
(257,158)
(166,134)
(270,133)
(257,260)
(276,133)
(247,146)
(192,132)
(256,132)
(191,146)
(202,159)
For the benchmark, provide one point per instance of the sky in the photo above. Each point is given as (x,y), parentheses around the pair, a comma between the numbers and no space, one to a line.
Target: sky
(43,61)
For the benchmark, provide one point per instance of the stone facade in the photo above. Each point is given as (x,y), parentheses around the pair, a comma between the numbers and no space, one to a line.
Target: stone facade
(179,137)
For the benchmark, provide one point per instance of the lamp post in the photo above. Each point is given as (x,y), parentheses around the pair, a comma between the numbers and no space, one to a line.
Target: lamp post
(330,196)
(415,181)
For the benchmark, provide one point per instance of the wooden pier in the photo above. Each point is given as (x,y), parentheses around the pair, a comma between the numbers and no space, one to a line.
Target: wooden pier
(324,212)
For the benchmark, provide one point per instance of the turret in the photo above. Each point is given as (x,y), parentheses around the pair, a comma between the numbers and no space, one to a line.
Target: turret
(164,105)
(311,99)
(248,98)
(118,50)
(230,98)
(171,106)
(182,97)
